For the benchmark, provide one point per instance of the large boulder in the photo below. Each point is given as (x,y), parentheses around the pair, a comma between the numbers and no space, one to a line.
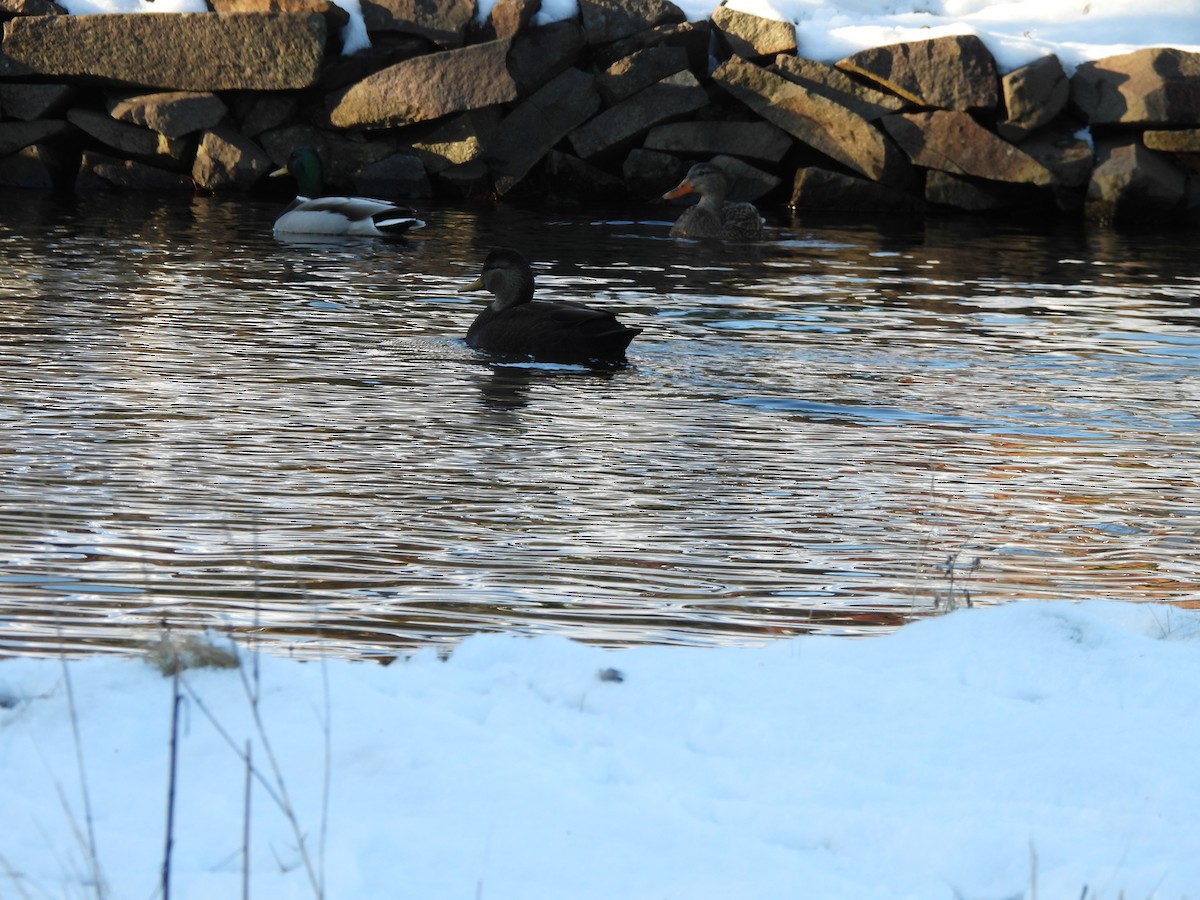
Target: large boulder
(821,190)
(98,171)
(1131,184)
(456,140)
(175,51)
(428,87)
(978,195)
(954,142)
(543,53)
(954,72)
(627,76)
(16,135)
(618,126)
(753,37)
(1146,87)
(34,101)
(813,119)
(834,84)
(1034,95)
(130,140)
(1183,140)
(172,113)
(532,129)
(605,21)
(227,159)
(442,21)
(398,175)
(33,168)
(749,140)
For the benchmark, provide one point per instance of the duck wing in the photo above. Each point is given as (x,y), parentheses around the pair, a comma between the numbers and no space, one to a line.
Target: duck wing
(346,215)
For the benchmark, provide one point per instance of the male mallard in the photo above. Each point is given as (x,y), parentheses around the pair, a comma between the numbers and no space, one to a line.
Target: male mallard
(516,326)
(310,213)
(713,216)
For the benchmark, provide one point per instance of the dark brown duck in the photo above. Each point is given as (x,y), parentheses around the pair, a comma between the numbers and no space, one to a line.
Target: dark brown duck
(515,326)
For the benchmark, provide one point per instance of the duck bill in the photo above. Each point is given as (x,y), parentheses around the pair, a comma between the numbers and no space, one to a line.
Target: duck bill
(476,285)
(278,173)
(685,187)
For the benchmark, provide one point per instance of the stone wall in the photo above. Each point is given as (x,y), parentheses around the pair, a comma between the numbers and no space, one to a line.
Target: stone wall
(614,104)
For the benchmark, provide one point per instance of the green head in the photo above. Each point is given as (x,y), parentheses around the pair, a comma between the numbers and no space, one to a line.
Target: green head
(304,165)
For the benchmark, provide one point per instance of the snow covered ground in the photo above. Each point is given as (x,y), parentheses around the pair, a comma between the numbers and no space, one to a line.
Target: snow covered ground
(1016,31)
(1030,750)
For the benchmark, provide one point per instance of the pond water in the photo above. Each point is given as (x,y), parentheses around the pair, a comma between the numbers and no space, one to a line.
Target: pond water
(849,425)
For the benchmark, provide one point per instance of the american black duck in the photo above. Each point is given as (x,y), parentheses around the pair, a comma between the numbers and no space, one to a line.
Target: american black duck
(516,326)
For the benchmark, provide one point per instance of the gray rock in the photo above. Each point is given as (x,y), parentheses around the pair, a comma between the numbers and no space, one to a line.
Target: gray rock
(834,84)
(98,171)
(172,113)
(256,113)
(746,182)
(227,159)
(469,180)
(627,76)
(130,140)
(649,174)
(1069,158)
(693,37)
(822,190)
(34,101)
(977,195)
(532,129)
(342,154)
(33,168)
(954,142)
(541,54)
(30,8)
(428,87)
(16,135)
(750,140)
(1146,87)
(954,72)
(619,126)
(605,21)
(1034,95)
(181,51)
(569,177)
(753,37)
(1131,184)
(816,121)
(442,21)
(399,175)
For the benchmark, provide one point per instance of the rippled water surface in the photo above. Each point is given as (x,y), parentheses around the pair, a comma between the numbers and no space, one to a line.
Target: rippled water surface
(836,430)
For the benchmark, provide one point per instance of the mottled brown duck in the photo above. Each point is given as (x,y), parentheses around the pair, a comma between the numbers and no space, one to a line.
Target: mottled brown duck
(714,217)
(515,326)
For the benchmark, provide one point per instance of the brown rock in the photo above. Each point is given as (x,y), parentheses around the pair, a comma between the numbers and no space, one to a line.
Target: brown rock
(751,140)
(342,154)
(1146,87)
(17,135)
(822,124)
(1133,184)
(510,17)
(1184,140)
(428,87)
(1069,158)
(834,84)
(387,49)
(605,21)
(693,37)
(334,14)
(256,113)
(227,159)
(532,129)
(173,113)
(541,54)
(442,21)
(954,72)
(98,171)
(456,140)
(627,76)
(619,125)
(746,182)
(977,195)
(954,142)
(821,190)
(34,101)
(1034,95)
(753,37)
(30,8)
(399,175)
(179,51)
(130,140)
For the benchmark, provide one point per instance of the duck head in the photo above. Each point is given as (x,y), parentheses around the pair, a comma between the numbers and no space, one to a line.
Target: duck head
(507,277)
(705,179)
(304,165)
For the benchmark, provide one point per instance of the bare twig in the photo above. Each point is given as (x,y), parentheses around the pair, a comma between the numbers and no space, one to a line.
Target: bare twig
(172,769)
(93,855)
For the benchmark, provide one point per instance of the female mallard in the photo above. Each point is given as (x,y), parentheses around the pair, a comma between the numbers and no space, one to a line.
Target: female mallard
(516,326)
(713,216)
(310,213)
